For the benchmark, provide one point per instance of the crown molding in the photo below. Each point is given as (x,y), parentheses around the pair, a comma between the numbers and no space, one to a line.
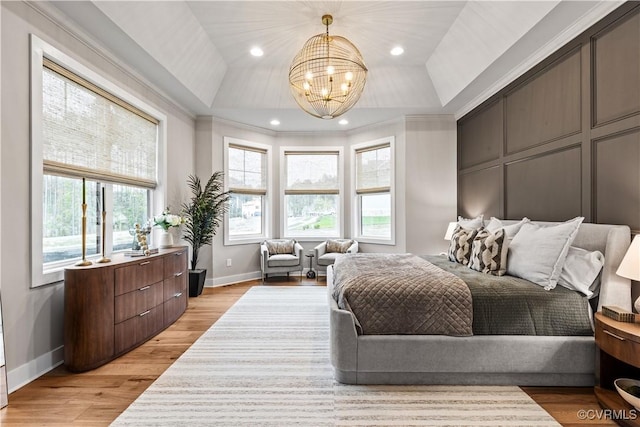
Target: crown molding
(429,117)
(244,126)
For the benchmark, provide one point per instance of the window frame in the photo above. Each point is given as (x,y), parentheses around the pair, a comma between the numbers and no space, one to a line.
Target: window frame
(283,185)
(40,49)
(267,204)
(357,198)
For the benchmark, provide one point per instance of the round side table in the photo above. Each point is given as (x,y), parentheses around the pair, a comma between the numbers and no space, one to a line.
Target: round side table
(310,274)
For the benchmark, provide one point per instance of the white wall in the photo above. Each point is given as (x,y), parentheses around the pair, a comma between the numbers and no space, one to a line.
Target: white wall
(209,158)
(430,187)
(33,318)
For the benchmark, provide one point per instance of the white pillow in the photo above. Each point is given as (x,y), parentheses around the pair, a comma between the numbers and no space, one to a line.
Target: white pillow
(538,253)
(510,230)
(581,269)
(471,223)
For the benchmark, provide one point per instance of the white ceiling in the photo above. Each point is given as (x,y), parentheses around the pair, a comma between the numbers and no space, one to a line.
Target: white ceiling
(456,52)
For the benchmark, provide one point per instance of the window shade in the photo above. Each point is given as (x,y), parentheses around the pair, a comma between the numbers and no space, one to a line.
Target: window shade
(312,172)
(373,169)
(90,133)
(247,170)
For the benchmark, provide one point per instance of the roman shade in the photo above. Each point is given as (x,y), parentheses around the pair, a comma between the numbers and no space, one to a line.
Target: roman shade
(373,169)
(247,170)
(88,132)
(310,172)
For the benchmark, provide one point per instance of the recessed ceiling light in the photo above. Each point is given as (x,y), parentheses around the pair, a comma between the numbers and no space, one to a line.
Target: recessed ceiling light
(343,122)
(397,51)
(256,51)
(275,122)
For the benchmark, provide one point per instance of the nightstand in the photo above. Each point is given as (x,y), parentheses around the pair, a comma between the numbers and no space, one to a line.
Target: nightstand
(619,345)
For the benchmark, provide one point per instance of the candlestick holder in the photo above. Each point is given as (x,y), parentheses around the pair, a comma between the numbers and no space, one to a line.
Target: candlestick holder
(104,230)
(84,262)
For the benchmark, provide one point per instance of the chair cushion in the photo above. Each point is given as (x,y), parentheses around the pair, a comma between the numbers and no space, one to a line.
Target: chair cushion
(328,258)
(283,260)
(277,247)
(340,246)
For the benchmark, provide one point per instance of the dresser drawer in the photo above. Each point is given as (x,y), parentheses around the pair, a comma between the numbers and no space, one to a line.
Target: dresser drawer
(175,285)
(135,302)
(138,329)
(617,344)
(174,307)
(143,273)
(175,263)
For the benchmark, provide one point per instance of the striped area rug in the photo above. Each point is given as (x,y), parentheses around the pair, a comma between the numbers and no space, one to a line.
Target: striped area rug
(266,363)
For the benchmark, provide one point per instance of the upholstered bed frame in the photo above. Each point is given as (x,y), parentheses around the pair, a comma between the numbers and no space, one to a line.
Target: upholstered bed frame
(481,359)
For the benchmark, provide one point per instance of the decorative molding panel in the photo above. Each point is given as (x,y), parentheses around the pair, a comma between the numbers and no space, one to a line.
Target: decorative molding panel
(616,71)
(570,131)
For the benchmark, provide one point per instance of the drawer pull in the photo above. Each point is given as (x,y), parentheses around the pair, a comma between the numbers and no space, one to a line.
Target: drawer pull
(145,263)
(145,313)
(618,337)
(178,253)
(178,295)
(178,274)
(144,288)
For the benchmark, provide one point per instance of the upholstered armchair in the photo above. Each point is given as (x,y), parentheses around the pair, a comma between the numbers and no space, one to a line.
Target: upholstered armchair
(280,256)
(326,253)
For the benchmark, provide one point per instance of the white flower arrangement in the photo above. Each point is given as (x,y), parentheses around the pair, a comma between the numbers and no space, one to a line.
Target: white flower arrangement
(168,220)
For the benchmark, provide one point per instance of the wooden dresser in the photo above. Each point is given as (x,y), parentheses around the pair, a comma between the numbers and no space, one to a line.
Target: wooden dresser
(111,308)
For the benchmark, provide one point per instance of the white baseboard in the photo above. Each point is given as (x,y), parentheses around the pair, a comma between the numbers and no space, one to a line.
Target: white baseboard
(23,375)
(229,280)
(238,278)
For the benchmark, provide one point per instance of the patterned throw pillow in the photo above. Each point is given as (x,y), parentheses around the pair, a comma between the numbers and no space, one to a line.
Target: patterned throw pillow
(460,247)
(489,252)
(280,247)
(339,246)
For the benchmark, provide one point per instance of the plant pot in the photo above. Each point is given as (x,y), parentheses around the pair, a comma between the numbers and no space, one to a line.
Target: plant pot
(196,281)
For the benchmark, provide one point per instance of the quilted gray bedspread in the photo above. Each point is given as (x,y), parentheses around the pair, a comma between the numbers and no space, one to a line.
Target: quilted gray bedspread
(402,294)
(508,305)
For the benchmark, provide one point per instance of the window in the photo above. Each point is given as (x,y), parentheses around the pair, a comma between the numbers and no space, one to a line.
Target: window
(62,219)
(84,127)
(247,172)
(312,197)
(130,207)
(373,191)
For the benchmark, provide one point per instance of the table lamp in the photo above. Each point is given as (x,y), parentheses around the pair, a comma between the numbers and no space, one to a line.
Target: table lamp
(630,266)
(450,229)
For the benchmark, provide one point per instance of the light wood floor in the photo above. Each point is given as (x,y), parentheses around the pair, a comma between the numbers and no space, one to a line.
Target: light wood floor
(97,397)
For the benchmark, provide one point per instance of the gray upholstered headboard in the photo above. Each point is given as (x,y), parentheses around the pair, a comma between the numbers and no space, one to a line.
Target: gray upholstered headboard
(612,241)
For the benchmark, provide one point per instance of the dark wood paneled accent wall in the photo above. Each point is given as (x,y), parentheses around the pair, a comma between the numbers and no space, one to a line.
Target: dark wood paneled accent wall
(562,140)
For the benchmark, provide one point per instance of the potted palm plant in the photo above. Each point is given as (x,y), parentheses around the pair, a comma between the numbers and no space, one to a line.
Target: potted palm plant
(203,214)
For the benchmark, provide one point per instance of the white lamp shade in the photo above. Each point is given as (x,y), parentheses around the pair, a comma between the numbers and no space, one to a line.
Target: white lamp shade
(630,265)
(450,229)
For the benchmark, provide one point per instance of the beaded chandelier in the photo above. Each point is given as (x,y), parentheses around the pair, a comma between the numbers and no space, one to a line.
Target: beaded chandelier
(328,75)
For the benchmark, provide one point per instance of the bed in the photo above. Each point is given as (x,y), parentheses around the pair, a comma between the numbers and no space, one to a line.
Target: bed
(538,360)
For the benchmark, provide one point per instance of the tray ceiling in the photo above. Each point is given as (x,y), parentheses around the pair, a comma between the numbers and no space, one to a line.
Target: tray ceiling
(456,52)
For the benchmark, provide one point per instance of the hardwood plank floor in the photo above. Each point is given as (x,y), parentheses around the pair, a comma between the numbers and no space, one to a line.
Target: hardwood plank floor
(97,397)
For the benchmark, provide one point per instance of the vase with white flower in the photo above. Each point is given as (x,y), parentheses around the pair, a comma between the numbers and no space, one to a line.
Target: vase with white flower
(165,221)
